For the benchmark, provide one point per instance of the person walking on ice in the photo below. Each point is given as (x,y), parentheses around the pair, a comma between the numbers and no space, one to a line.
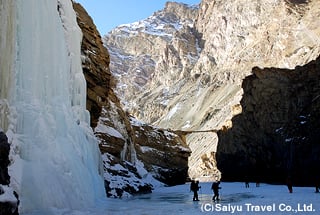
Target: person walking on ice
(215,187)
(289,184)
(194,187)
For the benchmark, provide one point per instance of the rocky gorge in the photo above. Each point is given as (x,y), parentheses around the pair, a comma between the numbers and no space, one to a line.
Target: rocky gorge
(188,64)
(212,90)
(135,155)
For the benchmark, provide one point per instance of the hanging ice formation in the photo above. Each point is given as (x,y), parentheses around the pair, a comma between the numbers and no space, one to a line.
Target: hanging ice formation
(55,156)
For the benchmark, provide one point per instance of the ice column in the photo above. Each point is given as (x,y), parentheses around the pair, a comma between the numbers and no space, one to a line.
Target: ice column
(7,50)
(73,36)
(59,156)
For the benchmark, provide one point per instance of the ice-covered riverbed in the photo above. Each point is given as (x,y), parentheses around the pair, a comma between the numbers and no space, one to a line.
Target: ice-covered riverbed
(235,199)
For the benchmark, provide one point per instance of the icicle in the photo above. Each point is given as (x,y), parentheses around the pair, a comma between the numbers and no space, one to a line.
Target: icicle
(7,50)
(73,35)
(123,154)
(133,154)
(55,160)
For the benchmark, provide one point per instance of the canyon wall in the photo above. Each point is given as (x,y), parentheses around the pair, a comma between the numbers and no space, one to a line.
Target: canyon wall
(277,133)
(128,147)
(188,63)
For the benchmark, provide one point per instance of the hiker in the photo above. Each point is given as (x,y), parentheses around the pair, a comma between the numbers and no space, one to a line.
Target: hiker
(194,187)
(289,184)
(317,188)
(257,181)
(215,187)
(246,182)
(317,185)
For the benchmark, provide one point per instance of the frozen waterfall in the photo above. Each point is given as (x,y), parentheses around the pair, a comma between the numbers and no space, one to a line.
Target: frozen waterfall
(55,156)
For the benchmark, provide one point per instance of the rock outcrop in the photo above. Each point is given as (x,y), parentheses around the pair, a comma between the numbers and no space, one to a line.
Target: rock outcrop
(188,64)
(127,169)
(163,153)
(95,65)
(4,159)
(278,132)
(8,197)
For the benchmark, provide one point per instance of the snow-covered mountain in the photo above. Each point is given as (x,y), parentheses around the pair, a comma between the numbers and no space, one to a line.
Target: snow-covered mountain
(153,45)
(188,65)
(188,76)
(50,95)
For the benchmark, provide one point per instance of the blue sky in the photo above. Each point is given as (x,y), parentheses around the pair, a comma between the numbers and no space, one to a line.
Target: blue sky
(108,14)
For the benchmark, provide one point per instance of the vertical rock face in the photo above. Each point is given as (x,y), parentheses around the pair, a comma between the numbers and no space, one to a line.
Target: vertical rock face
(95,65)
(189,69)
(164,153)
(163,42)
(243,34)
(128,169)
(277,133)
(209,46)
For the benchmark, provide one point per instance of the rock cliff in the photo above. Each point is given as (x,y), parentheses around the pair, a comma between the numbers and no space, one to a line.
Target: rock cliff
(163,153)
(95,65)
(127,164)
(188,64)
(277,134)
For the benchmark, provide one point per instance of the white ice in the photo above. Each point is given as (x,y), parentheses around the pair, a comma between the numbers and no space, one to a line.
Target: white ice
(178,200)
(55,158)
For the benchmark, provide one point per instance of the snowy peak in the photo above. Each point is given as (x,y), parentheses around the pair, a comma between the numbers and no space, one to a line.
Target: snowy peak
(183,11)
(164,42)
(178,74)
(162,23)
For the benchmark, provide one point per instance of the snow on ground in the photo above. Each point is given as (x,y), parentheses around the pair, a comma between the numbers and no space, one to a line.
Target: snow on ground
(102,128)
(235,199)
(6,194)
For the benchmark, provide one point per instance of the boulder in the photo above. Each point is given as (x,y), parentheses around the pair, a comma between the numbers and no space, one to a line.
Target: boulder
(9,200)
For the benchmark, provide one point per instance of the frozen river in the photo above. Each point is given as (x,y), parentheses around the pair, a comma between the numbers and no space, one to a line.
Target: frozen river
(235,199)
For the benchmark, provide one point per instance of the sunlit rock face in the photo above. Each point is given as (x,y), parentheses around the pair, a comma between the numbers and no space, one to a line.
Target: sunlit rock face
(107,114)
(163,153)
(144,50)
(188,64)
(95,64)
(277,134)
(127,167)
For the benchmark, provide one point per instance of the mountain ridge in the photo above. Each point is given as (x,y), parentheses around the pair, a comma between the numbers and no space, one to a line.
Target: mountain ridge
(193,81)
